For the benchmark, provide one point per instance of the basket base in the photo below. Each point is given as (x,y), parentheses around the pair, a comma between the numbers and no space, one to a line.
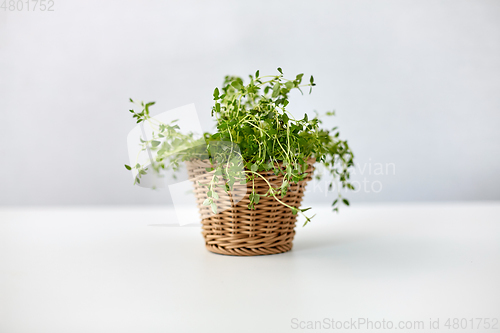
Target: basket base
(245,251)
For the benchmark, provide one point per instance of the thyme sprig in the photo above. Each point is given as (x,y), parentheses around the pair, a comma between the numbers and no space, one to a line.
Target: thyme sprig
(254,117)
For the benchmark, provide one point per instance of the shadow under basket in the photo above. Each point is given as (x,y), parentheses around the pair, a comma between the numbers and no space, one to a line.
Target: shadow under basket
(239,231)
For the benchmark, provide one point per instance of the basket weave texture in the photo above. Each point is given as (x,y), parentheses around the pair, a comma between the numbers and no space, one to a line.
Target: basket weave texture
(237,230)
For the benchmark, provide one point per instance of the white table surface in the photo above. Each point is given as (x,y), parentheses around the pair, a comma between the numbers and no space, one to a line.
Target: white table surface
(119,269)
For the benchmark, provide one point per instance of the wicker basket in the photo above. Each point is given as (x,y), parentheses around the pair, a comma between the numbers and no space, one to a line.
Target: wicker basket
(237,230)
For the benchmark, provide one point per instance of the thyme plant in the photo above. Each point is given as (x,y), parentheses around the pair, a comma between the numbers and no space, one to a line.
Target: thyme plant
(254,117)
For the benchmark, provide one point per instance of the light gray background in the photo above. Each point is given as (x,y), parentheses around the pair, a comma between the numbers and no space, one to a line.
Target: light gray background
(414,83)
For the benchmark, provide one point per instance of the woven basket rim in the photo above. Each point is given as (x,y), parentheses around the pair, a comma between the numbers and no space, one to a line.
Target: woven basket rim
(206,161)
